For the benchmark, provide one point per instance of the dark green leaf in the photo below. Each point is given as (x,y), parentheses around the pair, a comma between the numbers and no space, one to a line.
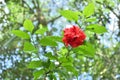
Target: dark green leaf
(38,73)
(52,66)
(52,76)
(89,10)
(46,64)
(70,15)
(35,64)
(28,25)
(96,28)
(50,56)
(28,47)
(21,34)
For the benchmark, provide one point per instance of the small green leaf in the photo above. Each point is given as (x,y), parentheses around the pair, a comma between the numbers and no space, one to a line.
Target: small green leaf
(96,28)
(70,15)
(47,41)
(41,29)
(38,73)
(89,10)
(21,34)
(63,51)
(28,25)
(91,19)
(35,64)
(89,33)
(28,47)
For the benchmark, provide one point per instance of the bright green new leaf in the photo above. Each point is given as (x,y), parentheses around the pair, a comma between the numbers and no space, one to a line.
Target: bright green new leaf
(28,25)
(91,19)
(63,50)
(48,41)
(96,28)
(38,73)
(34,64)
(41,30)
(21,34)
(70,15)
(89,10)
(28,47)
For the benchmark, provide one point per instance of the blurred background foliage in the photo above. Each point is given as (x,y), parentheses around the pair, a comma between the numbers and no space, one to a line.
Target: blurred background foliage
(13,61)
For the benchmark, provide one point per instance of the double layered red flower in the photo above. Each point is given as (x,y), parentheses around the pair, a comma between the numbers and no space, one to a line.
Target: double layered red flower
(73,36)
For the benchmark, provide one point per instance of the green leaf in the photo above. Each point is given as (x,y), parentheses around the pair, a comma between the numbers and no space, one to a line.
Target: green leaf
(52,76)
(38,73)
(89,10)
(70,15)
(72,69)
(52,66)
(28,47)
(96,28)
(46,64)
(91,19)
(85,50)
(63,59)
(28,25)
(47,41)
(41,29)
(63,51)
(55,38)
(50,56)
(21,34)
(35,64)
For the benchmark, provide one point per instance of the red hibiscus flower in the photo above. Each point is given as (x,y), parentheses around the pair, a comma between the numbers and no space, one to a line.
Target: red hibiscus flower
(73,36)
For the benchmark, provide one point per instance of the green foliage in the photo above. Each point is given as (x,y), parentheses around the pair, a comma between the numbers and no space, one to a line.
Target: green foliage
(38,73)
(63,63)
(91,19)
(50,41)
(85,50)
(96,28)
(89,10)
(41,30)
(35,64)
(70,15)
(28,25)
(21,34)
(50,56)
(28,47)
